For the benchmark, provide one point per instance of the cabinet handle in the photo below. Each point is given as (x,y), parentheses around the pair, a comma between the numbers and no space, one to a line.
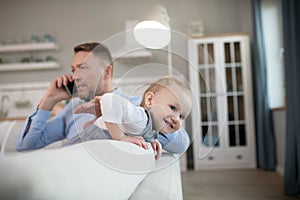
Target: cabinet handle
(22,103)
(210,158)
(239,157)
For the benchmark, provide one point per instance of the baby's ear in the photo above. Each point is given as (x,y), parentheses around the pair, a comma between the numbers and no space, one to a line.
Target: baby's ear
(149,99)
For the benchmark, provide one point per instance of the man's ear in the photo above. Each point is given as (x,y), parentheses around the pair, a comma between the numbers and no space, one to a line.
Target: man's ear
(108,72)
(149,99)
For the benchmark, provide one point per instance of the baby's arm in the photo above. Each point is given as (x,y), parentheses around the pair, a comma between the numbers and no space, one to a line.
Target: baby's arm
(117,134)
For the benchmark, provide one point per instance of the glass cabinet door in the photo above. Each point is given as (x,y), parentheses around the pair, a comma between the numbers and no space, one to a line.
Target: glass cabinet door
(208,95)
(235,94)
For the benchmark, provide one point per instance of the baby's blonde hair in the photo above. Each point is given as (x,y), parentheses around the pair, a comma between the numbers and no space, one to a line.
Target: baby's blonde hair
(165,82)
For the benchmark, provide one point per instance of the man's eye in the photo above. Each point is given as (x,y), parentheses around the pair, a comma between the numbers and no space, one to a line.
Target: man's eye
(83,66)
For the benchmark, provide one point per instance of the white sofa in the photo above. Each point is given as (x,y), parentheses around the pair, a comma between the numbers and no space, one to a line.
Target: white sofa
(99,169)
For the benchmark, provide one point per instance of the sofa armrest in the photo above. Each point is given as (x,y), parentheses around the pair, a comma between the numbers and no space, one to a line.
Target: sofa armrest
(98,169)
(163,183)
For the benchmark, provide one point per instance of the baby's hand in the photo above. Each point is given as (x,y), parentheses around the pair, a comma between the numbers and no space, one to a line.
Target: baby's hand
(138,140)
(157,148)
(91,107)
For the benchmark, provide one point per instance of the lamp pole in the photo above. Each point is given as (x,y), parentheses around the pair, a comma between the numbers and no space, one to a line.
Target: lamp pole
(170,68)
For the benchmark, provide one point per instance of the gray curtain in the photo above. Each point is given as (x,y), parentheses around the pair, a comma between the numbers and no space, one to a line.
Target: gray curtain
(291,32)
(265,139)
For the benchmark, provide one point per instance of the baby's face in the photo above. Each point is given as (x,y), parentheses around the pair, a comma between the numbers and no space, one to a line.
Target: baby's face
(170,107)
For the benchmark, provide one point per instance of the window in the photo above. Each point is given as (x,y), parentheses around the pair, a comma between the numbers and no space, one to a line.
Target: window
(271,16)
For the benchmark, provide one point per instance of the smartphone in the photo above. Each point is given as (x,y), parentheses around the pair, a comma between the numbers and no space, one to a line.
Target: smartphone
(71,88)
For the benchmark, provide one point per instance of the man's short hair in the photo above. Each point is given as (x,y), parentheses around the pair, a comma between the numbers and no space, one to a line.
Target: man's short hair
(88,47)
(97,49)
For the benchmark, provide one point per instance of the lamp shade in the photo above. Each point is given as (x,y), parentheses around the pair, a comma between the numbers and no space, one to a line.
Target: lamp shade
(154,31)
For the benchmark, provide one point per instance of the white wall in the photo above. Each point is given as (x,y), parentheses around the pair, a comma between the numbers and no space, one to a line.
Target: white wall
(73,21)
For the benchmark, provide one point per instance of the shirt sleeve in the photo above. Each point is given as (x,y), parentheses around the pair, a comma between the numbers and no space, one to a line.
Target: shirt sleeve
(116,109)
(176,142)
(37,132)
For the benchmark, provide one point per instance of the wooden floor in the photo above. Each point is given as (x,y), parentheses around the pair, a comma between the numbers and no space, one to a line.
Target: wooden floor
(233,185)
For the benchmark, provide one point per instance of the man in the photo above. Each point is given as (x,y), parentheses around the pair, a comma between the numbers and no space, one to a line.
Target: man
(92,69)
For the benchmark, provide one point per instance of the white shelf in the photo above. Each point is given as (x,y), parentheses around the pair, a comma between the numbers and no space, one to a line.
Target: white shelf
(28,47)
(29,66)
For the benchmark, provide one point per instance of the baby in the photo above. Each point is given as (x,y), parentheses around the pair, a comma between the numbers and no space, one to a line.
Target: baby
(165,105)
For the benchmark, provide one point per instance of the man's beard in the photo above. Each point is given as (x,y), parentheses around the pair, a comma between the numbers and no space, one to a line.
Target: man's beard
(91,94)
(88,97)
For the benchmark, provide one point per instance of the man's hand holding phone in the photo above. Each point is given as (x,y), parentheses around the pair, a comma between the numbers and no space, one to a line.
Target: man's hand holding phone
(71,88)
(56,92)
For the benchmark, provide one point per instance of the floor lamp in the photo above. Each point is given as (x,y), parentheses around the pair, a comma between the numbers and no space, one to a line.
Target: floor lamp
(154,32)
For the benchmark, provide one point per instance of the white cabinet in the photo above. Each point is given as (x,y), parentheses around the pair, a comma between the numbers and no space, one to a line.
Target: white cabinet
(27,49)
(223,114)
(18,100)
